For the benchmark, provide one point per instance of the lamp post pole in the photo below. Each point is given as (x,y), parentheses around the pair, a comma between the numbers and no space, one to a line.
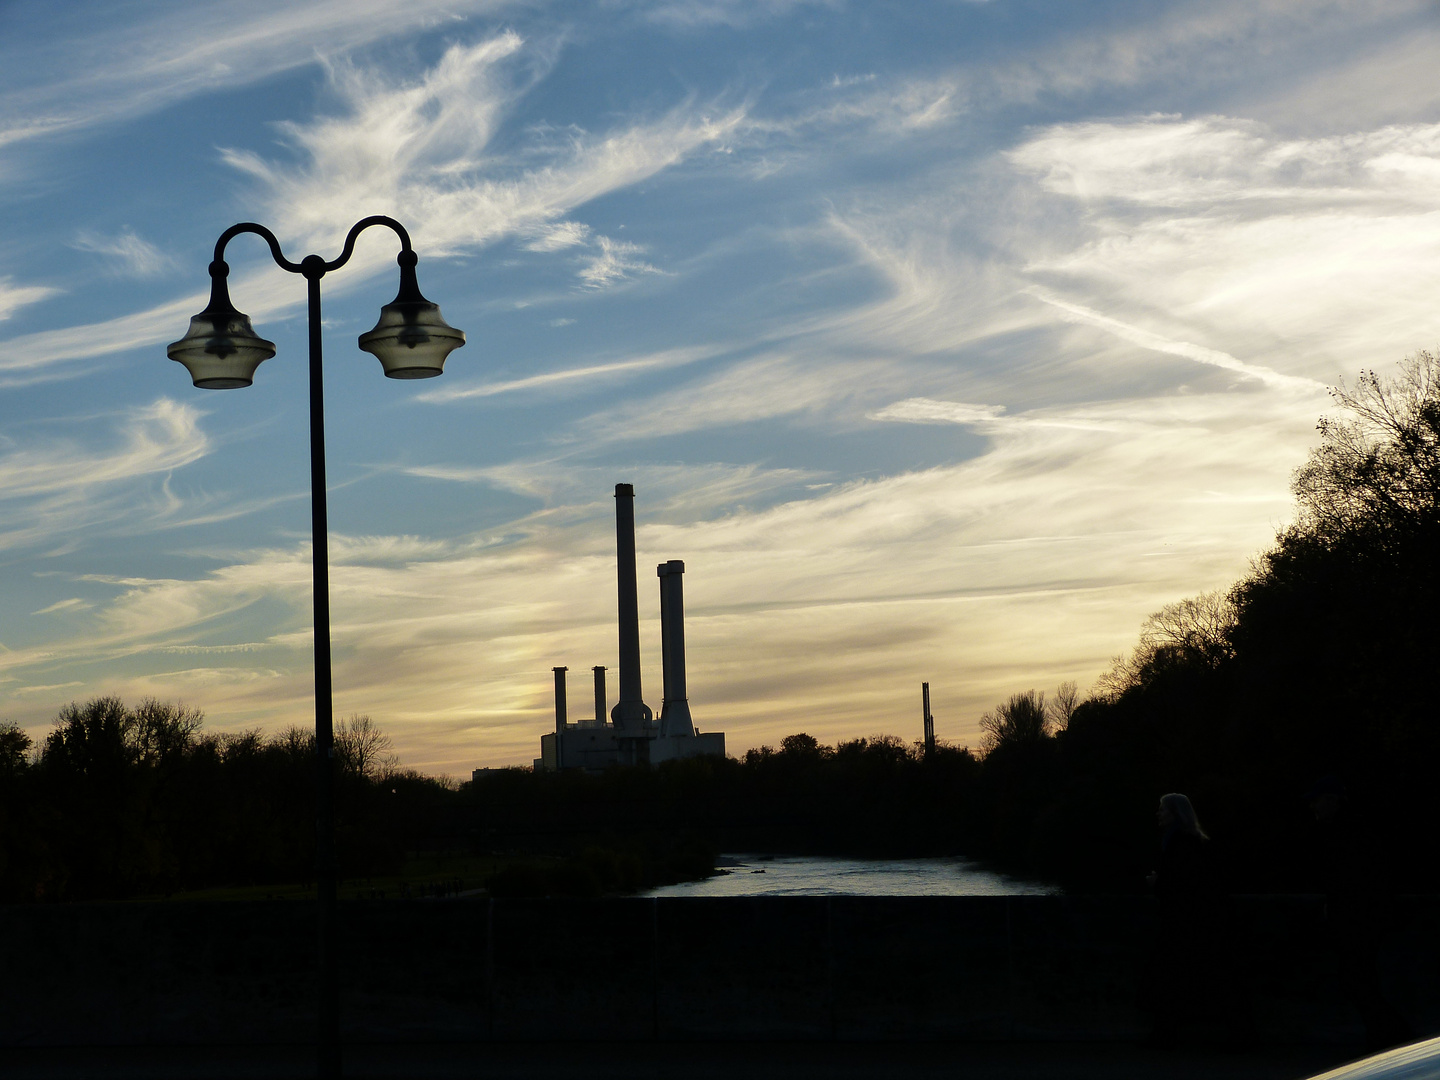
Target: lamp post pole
(222,352)
(328,1036)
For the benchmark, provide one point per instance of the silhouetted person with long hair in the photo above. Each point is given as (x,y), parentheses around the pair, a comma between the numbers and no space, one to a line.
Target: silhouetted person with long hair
(1191,993)
(1185,872)
(1356,889)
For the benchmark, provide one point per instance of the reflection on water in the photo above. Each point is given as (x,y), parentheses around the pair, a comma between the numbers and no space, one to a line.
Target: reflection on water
(813,875)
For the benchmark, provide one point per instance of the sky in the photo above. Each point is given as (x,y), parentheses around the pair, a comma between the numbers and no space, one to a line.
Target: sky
(943,342)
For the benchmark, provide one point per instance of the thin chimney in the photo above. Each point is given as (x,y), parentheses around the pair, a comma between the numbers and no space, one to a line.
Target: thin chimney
(630,714)
(560,717)
(599,694)
(929,720)
(675,710)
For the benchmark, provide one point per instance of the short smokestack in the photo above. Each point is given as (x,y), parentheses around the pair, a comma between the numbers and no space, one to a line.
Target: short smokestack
(599,695)
(630,714)
(675,710)
(560,700)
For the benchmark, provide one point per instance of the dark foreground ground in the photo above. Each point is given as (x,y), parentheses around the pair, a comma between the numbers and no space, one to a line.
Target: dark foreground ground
(684,1061)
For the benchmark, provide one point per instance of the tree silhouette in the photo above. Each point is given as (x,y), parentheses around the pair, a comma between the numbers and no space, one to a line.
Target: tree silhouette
(14,749)
(1017,722)
(362,749)
(159,731)
(1317,662)
(127,801)
(1062,706)
(1378,469)
(1192,632)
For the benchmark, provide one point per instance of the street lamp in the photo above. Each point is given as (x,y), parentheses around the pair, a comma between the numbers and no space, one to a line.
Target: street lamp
(221,351)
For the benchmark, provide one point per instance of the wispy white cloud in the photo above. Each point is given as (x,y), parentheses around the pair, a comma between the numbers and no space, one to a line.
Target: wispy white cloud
(432,169)
(878,107)
(929,411)
(666,359)
(1169,161)
(1298,251)
(62,490)
(210,650)
(433,166)
(616,261)
(161,436)
(1374,83)
(1146,339)
(559,235)
(71,604)
(1169,43)
(33,690)
(136,256)
(100,65)
(747,390)
(936,296)
(14,297)
(1199,44)
(698,14)
(607,261)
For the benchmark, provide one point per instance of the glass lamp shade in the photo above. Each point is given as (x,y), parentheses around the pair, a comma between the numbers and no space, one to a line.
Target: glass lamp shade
(221,350)
(411,340)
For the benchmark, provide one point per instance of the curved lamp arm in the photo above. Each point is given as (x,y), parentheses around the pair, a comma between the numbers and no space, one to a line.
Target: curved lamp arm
(261,231)
(301,267)
(359,227)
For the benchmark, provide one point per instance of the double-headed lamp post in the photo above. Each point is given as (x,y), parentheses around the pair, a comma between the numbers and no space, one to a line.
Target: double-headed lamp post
(221,352)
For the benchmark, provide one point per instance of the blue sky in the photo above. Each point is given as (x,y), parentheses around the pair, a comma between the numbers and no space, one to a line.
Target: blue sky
(942,342)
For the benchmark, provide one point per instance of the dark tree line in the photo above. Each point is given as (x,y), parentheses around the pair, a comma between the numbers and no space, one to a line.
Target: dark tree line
(120,802)
(1319,663)
(124,802)
(875,796)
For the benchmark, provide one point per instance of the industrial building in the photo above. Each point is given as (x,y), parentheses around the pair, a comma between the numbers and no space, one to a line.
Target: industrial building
(632,735)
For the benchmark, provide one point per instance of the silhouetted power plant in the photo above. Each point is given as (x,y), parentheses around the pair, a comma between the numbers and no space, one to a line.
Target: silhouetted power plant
(632,736)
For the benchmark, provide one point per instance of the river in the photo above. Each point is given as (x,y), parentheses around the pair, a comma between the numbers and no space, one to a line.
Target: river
(816,875)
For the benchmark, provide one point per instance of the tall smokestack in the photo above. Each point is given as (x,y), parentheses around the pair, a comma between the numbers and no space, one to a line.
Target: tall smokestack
(560,700)
(675,710)
(559,717)
(599,695)
(630,714)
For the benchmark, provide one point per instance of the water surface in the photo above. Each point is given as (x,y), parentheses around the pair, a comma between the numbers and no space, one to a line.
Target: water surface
(816,875)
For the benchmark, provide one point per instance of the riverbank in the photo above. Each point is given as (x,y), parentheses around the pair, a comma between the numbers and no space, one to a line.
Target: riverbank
(843,969)
(665,1061)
